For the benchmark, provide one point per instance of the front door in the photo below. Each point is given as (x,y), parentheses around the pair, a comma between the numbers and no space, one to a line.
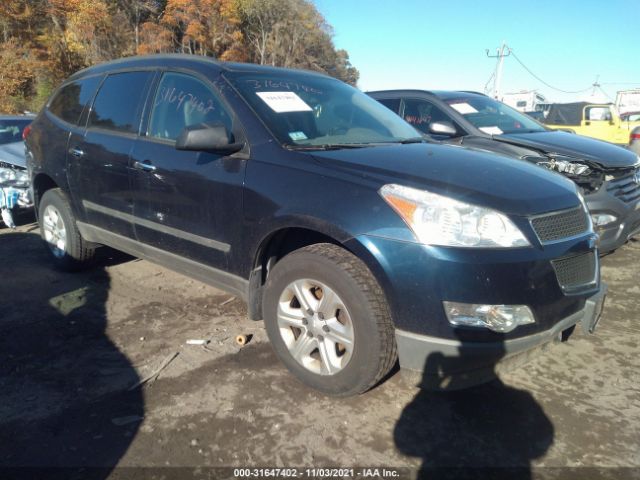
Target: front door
(187,203)
(99,156)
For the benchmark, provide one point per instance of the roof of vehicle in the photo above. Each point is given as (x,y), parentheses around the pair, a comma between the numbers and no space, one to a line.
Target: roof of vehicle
(181,59)
(442,94)
(565,113)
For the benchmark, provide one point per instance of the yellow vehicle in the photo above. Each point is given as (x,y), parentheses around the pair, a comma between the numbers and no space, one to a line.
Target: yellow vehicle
(600,121)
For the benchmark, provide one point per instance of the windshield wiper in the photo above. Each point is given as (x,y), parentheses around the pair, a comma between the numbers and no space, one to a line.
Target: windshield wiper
(413,140)
(328,146)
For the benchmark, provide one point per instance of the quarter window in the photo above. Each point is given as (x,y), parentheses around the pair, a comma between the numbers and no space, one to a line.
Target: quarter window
(117,106)
(183,101)
(71,99)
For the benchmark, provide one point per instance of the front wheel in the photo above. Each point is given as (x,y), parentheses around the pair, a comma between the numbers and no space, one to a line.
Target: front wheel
(328,321)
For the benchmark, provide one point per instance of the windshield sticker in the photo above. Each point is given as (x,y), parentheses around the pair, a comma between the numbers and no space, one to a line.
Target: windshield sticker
(463,108)
(491,130)
(283,102)
(268,84)
(297,136)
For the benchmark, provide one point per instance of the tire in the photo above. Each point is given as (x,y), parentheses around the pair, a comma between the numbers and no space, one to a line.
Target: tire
(354,310)
(73,252)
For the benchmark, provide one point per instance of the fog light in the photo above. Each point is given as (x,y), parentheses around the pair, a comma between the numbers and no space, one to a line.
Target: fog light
(602,219)
(499,318)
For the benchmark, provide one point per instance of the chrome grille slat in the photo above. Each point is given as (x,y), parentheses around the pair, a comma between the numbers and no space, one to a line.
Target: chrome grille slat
(576,271)
(558,225)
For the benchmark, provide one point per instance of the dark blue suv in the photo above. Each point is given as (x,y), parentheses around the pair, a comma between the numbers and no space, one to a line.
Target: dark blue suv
(356,240)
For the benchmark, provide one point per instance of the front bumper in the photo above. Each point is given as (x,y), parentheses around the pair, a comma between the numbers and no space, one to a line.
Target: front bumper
(453,364)
(627,225)
(417,278)
(12,200)
(15,198)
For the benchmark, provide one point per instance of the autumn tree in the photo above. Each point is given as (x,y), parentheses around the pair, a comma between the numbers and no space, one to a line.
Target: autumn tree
(292,33)
(44,41)
(203,27)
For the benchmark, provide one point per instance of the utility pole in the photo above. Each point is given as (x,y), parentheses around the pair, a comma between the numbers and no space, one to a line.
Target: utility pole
(501,52)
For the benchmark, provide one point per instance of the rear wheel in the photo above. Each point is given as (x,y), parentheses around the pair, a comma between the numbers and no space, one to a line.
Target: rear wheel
(328,321)
(60,232)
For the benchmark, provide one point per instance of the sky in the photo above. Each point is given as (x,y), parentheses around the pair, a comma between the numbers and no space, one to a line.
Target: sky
(428,44)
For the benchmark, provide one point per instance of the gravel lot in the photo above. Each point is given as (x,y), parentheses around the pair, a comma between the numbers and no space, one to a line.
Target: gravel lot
(72,345)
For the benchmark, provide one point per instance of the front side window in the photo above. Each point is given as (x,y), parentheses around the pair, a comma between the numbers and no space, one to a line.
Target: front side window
(305,110)
(71,99)
(183,101)
(11,130)
(491,116)
(421,114)
(118,103)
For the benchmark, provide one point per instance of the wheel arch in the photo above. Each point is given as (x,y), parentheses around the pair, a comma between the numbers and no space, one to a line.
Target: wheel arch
(274,246)
(41,183)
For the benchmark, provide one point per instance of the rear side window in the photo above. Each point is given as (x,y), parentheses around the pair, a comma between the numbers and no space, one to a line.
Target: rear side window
(392,104)
(182,101)
(119,101)
(71,99)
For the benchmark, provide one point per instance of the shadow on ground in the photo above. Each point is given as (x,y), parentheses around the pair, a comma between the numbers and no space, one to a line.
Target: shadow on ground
(486,431)
(63,383)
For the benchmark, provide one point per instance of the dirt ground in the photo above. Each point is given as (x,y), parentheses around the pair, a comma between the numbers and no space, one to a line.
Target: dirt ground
(73,345)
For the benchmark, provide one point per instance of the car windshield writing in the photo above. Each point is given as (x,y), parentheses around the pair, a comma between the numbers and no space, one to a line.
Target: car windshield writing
(309,110)
(493,117)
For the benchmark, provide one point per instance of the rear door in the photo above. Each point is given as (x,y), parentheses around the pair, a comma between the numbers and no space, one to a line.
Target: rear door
(99,157)
(186,202)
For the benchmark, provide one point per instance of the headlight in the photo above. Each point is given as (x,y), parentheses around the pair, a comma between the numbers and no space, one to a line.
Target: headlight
(573,168)
(439,220)
(14,178)
(566,165)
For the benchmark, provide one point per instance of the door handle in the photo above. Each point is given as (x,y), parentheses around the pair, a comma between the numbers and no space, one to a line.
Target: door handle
(76,152)
(145,166)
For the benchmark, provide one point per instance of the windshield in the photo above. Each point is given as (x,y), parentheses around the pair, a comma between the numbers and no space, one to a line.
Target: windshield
(312,111)
(493,117)
(11,130)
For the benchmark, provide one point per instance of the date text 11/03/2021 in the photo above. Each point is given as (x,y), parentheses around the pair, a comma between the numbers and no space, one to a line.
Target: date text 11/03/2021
(372,472)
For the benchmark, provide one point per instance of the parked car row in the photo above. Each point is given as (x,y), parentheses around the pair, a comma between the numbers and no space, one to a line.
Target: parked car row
(355,237)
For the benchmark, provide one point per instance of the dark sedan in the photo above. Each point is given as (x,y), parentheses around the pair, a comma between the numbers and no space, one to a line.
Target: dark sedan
(608,175)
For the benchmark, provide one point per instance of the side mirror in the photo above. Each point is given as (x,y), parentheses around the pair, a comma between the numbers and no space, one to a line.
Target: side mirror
(207,138)
(443,128)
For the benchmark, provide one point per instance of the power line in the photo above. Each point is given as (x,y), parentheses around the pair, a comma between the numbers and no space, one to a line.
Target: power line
(542,81)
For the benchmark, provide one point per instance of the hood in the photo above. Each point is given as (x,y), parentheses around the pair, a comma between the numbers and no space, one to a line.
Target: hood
(13,153)
(605,154)
(480,178)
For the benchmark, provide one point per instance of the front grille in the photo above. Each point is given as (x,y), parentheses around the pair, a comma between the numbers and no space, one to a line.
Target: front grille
(625,187)
(558,225)
(577,271)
